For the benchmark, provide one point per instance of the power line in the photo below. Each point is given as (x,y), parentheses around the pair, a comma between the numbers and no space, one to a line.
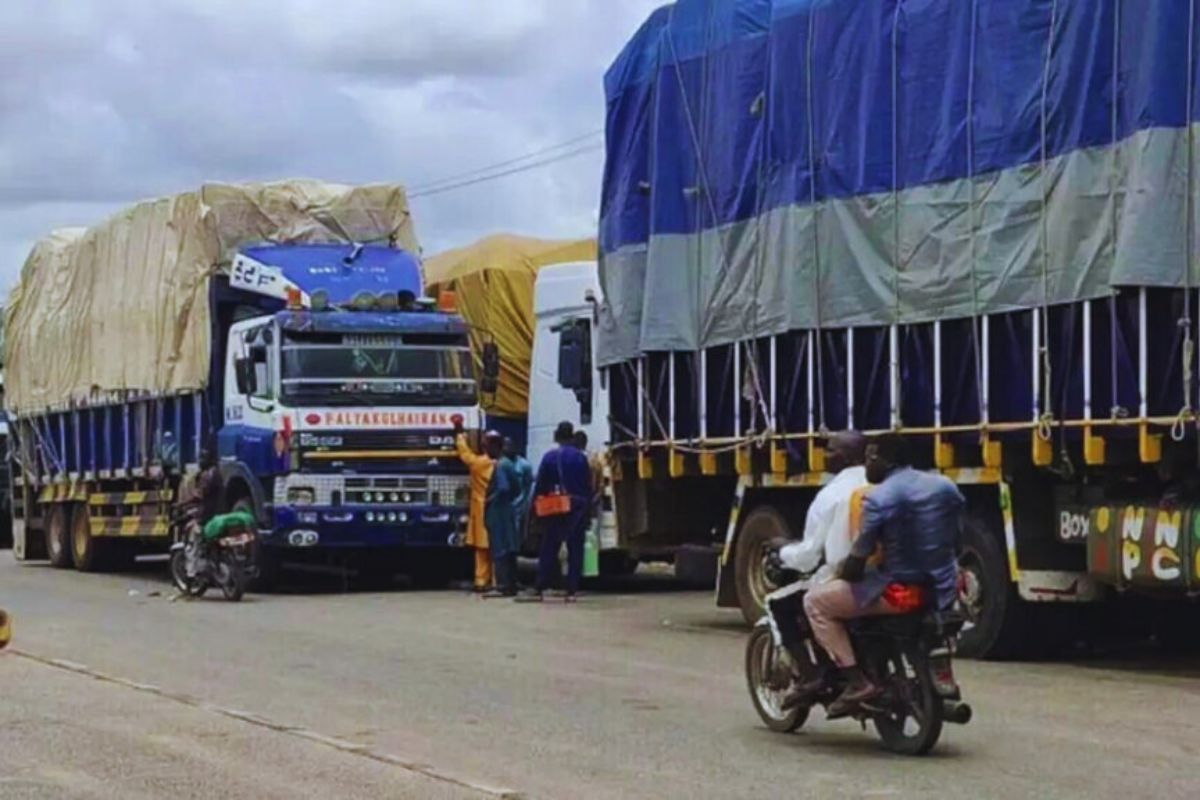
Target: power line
(429,185)
(505,173)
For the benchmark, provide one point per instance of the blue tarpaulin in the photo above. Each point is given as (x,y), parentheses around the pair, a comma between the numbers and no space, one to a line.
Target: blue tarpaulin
(779,165)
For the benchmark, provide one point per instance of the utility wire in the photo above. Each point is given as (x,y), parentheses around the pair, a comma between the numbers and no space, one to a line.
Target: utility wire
(432,185)
(440,189)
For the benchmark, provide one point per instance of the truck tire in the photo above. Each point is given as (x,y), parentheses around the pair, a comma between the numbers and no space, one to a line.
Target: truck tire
(998,618)
(6,528)
(696,566)
(764,524)
(617,564)
(58,537)
(268,570)
(87,551)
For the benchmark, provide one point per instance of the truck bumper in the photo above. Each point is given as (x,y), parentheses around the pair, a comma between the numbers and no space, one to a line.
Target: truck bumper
(384,526)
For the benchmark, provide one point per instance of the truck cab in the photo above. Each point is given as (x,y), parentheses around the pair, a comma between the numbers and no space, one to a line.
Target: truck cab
(340,392)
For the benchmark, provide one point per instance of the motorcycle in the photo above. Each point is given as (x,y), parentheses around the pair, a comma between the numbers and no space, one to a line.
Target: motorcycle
(910,656)
(223,562)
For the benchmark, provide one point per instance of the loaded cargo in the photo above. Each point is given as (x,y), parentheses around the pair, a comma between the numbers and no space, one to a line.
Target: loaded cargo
(279,325)
(974,223)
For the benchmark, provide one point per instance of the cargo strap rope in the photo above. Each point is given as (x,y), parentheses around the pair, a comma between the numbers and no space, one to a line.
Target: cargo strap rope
(706,191)
(973,224)
(1179,427)
(815,350)
(893,334)
(1046,417)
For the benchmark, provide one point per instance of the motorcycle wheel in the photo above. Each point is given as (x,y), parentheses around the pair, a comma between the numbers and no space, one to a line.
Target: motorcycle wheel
(190,587)
(913,723)
(231,576)
(762,660)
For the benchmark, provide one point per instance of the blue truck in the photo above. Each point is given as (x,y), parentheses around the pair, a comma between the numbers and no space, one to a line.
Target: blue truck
(970,223)
(330,396)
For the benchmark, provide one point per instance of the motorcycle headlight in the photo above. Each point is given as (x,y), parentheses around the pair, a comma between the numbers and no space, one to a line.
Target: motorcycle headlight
(301,495)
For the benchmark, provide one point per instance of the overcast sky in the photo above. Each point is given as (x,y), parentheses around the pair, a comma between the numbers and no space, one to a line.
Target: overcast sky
(103,102)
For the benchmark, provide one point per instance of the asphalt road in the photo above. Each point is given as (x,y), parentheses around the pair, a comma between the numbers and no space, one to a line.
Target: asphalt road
(634,693)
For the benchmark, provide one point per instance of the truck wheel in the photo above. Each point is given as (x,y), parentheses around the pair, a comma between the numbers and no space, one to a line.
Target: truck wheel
(753,586)
(995,612)
(434,569)
(696,567)
(6,528)
(268,569)
(617,564)
(87,551)
(58,538)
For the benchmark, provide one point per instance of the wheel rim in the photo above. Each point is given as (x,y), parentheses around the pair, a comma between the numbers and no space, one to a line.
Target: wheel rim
(908,715)
(179,571)
(971,594)
(80,534)
(762,666)
(760,584)
(56,543)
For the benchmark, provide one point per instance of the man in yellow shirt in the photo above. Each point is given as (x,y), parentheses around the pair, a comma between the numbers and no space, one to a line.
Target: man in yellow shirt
(480,467)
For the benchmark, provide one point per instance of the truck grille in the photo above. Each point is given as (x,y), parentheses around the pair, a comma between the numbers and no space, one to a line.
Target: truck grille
(414,490)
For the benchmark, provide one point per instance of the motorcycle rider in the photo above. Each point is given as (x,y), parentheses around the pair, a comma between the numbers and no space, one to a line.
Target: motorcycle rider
(828,534)
(200,501)
(916,517)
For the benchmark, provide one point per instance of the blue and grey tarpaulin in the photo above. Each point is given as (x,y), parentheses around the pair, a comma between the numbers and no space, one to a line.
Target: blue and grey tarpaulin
(796,164)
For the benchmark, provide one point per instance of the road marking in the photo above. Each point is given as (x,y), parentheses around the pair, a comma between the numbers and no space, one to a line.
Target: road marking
(407,764)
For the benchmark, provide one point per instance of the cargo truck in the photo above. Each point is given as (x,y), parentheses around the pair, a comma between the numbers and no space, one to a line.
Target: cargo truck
(971,223)
(278,324)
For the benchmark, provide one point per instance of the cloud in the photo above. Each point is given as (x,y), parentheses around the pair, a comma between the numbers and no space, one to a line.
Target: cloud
(105,103)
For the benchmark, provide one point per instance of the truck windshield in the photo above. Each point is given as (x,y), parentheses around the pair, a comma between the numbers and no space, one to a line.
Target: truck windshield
(334,374)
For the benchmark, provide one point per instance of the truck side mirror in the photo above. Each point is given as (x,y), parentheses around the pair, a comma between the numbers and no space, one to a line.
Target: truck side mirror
(575,365)
(572,358)
(490,355)
(247,380)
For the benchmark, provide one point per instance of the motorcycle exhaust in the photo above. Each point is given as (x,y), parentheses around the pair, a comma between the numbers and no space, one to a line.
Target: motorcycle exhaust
(958,713)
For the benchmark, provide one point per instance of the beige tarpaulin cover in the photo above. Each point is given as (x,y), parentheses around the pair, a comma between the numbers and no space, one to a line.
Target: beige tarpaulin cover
(123,306)
(493,280)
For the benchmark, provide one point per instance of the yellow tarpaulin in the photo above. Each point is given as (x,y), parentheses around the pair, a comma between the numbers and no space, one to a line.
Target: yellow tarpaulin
(493,280)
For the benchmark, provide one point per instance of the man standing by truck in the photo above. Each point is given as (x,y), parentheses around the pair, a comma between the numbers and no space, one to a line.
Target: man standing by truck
(500,516)
(562,502)
(480,467)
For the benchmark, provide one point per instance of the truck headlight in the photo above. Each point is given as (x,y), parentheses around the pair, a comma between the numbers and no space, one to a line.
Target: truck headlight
(301,495)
